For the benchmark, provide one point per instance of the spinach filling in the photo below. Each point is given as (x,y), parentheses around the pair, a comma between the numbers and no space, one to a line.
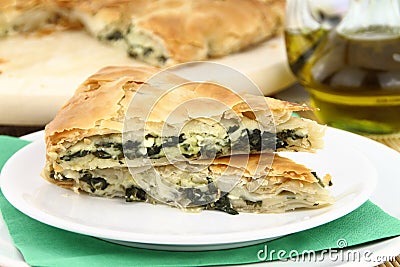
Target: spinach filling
(102,154)
(95,183)
(198,197)
(114,36)
(285,135)
(131,149)
(153,151)
(222,204)
(318,179)
(78,154)
(134,193)
(255,141)
(162,59)
(252,140)
(206,198)
(109,144)
(59,176)
(233,129)
(266,141)
(137,51)
(195,195)
(255,204)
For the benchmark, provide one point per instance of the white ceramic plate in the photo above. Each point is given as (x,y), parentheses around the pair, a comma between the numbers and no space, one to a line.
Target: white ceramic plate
(162,227)
(384,159)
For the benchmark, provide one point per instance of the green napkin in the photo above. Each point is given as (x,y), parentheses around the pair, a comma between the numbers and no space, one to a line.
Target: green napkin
(8,146)
(43,245)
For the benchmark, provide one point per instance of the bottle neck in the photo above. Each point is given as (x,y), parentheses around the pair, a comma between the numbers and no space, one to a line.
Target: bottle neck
(299,18)
(371,18)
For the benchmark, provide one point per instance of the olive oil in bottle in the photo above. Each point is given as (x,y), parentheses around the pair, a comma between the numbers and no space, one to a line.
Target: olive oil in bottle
(351,72)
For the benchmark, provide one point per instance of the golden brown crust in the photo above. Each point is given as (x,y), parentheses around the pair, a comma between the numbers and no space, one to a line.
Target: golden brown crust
(100,103)
(271,164)
(214,28)
(94,106)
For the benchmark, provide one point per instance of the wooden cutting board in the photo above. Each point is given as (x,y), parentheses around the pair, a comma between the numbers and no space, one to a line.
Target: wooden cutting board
(40,73)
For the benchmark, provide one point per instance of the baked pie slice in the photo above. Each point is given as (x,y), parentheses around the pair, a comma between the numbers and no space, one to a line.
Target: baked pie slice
(126,133)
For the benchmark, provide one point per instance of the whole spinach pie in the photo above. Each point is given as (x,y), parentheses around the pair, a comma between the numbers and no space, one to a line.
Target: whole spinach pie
(159,32)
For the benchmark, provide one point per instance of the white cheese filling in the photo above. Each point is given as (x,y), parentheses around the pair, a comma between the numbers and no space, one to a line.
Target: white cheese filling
(276,194)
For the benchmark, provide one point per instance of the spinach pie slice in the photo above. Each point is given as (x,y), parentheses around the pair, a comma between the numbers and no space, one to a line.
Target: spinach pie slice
(223,159)
(255,186)
(88,131)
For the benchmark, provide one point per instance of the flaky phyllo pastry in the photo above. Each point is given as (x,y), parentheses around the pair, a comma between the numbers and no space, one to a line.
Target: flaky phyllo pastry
(159,32)
(126,133)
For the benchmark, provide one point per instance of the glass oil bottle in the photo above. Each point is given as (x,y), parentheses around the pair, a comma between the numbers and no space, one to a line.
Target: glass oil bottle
(351,69)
